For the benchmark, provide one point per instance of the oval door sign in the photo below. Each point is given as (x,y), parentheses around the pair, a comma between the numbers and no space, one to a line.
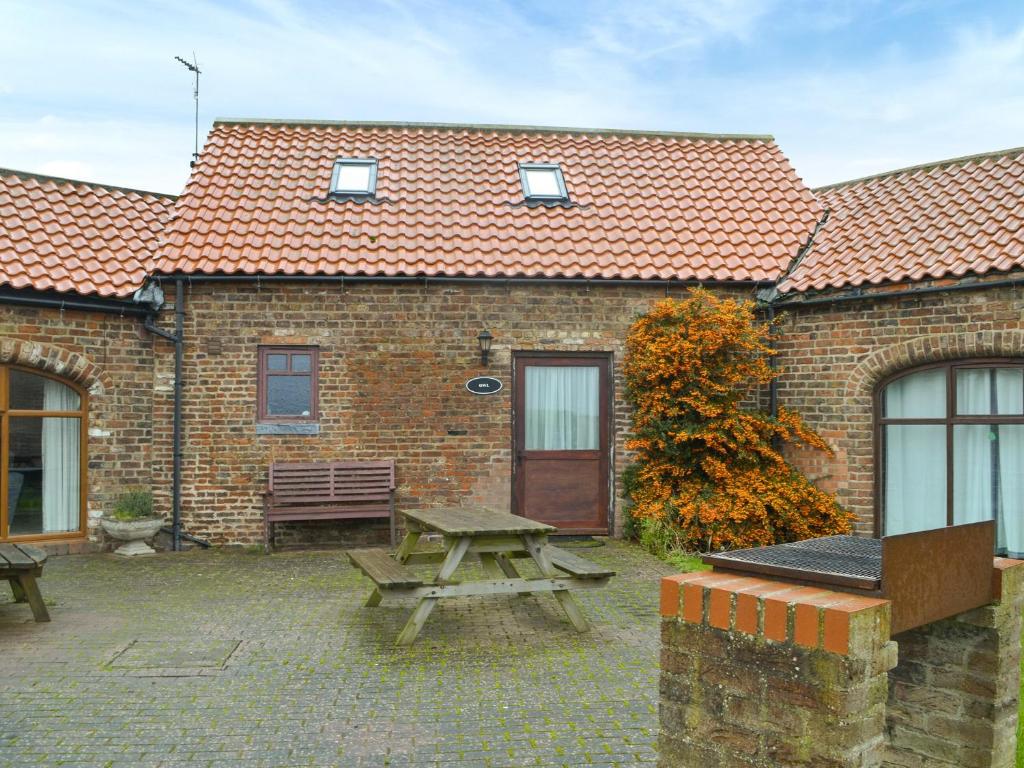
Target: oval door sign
(483,385)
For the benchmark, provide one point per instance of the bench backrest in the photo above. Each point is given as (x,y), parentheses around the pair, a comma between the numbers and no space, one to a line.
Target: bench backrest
(329,482)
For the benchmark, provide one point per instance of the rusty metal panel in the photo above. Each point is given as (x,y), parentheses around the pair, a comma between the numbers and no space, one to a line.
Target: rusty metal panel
(932,575)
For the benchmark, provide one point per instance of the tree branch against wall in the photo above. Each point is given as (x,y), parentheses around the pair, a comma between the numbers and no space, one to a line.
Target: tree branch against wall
(705,466)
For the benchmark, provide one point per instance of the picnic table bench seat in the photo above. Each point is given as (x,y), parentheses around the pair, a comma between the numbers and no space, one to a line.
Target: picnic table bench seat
(328,490)
(576,566)
(386,572)
(20,564)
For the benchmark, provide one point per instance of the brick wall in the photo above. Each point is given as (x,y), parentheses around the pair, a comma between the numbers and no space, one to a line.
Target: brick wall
(110,357)
(394,359)
(834,356)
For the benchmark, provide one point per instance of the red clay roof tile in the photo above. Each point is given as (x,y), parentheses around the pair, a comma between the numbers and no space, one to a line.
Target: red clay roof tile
(449,202)
(72,236)
(951,218)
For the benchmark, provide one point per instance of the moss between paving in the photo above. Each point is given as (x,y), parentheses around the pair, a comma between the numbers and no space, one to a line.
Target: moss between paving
(234,658)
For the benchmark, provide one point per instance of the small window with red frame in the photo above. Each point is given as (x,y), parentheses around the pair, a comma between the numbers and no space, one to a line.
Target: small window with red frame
(288,384)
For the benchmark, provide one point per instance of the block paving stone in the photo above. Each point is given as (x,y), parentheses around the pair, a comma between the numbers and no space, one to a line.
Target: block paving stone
(235,658)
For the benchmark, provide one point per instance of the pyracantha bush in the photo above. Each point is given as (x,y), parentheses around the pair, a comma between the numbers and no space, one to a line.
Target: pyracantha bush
(705,465)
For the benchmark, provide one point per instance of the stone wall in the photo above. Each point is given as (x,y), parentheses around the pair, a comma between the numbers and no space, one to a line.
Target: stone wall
(758,673)
(954,696)
(394,359)
(112,359)
(833,357)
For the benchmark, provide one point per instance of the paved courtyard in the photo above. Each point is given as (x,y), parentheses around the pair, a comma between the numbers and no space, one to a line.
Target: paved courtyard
(216,658)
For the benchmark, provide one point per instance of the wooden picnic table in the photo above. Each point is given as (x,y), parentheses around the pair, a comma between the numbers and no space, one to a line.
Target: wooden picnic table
(496,538)
(20,564)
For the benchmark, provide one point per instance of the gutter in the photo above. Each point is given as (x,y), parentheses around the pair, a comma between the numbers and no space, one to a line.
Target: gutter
(428,279)
(78,303)
(862,295)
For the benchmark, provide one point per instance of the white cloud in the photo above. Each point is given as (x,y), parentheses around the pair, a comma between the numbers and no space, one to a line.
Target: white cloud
(860,121)
(105,91)
(149,156)
(69,169)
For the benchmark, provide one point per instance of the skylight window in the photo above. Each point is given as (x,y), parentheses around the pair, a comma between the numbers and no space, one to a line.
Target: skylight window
(354,176)
(542,181)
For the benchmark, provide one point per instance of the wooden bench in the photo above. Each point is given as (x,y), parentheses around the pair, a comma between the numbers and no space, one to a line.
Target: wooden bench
(576,566)
(328,490)
(20,564)
(383,569)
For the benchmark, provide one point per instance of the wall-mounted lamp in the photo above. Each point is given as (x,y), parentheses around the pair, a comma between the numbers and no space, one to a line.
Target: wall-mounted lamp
(485,340)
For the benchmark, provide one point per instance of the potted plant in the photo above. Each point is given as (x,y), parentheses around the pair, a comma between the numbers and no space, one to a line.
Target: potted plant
(132,521)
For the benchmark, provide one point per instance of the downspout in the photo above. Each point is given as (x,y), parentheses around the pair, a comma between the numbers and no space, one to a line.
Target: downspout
(178,338)
(770,297)
(773,364)
(179,359)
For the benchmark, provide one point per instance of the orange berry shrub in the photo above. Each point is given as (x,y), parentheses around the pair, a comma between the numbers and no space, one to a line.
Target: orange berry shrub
(707,469)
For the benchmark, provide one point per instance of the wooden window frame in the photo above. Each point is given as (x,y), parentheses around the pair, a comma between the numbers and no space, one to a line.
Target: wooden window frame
(949,421)
(6,413)
(263,372)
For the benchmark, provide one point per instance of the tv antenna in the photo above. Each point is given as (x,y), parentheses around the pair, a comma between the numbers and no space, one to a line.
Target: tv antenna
(193,66)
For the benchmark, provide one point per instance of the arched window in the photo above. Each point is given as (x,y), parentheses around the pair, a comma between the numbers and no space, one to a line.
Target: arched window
(952,449)
(42,442)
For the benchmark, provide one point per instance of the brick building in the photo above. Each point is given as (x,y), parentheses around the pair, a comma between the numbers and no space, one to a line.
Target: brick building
(331,281)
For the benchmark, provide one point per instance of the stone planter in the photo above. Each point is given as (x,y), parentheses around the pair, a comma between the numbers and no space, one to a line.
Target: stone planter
(134,532)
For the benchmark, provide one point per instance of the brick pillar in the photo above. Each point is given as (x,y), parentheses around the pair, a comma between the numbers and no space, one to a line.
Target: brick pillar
(954,696)
(761,673)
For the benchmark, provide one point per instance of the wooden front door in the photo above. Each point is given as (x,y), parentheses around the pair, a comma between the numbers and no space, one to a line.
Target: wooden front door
(561,435)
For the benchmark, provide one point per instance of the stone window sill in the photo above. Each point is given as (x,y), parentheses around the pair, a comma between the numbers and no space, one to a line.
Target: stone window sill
(300,428)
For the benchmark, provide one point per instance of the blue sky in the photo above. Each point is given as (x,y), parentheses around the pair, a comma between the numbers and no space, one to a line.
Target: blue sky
(848,87)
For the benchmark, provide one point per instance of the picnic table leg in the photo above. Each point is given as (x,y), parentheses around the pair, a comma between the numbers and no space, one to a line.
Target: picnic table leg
(401,555)
(19,593)
(490,564)
(505,564)
(564,597)
(426,605)
(408,544)
(30,589)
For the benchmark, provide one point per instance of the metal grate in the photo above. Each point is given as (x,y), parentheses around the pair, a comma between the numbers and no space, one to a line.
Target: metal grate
(850,561)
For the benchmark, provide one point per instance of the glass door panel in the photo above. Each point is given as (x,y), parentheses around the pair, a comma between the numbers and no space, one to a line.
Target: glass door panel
(43,475)
(562,408)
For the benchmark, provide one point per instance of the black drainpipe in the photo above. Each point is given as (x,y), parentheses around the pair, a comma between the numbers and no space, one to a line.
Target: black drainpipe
(773,363)
(179,359)
(178,337)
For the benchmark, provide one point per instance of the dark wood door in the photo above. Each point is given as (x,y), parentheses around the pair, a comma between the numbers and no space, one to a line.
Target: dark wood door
(561,435)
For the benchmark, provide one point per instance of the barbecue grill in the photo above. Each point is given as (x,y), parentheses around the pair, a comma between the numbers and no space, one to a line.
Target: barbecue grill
(928,575)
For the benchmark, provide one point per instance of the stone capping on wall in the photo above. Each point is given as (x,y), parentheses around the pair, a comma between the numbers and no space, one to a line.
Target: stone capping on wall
(999,566)
(812,617)
(56,360)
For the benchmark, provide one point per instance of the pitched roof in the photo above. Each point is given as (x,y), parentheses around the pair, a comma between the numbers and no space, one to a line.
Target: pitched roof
(449,202)
(944,219)
(73,236)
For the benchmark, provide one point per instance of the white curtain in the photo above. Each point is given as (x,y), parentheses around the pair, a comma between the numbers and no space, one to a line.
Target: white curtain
(61,450)
(917,396)
(915,454)
(562,408)
(972,451)
(988,459)
(1011,490)
(915,477)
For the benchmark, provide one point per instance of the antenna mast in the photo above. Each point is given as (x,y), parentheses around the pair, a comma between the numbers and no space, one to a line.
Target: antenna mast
(193,66)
